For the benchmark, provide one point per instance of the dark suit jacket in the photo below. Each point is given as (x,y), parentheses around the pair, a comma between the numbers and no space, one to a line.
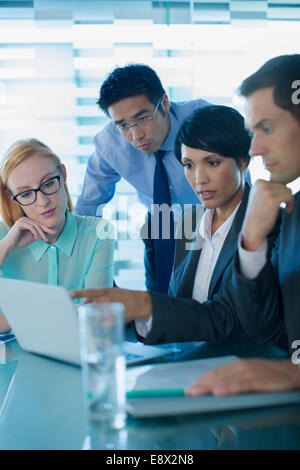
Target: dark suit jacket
(178,317)
(277,285)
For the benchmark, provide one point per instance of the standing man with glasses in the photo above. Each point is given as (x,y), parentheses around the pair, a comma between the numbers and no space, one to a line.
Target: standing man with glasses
(138,145)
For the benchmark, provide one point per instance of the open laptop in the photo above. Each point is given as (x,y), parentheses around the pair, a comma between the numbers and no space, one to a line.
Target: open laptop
(45,322)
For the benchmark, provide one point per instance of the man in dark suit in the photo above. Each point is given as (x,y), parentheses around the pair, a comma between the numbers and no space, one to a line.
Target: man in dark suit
(273,116)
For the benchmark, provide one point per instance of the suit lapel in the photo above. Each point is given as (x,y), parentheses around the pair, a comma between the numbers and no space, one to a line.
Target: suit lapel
(230,244)
(183,276)
(186,274)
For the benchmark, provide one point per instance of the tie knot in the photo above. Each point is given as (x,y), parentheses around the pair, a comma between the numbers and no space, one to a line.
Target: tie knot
(159,155)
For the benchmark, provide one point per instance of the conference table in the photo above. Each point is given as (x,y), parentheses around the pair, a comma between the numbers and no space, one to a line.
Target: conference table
(41,408)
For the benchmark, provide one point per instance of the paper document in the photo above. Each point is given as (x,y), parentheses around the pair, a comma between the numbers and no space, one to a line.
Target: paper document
(172,374)
(176,375)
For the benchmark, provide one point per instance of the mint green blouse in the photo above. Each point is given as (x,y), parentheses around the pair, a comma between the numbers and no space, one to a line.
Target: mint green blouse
(82,257)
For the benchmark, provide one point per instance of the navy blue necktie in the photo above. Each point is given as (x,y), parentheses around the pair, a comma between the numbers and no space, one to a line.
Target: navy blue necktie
(163,247)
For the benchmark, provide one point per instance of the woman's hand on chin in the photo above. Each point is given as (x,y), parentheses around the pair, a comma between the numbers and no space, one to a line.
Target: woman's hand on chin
(26,231)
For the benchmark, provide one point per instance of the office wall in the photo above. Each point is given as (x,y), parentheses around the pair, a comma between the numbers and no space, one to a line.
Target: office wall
(55,54)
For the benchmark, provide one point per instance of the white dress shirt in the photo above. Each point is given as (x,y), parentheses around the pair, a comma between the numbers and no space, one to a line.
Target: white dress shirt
(252,262)
(212,245)
(210,251)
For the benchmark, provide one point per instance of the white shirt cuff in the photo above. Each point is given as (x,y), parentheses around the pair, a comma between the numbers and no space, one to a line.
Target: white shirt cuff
(143,327)
(252,262)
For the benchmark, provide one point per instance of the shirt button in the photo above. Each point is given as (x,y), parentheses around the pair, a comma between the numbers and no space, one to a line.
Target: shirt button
(170,187)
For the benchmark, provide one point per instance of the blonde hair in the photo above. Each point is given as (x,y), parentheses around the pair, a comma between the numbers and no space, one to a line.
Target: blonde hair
(10,210)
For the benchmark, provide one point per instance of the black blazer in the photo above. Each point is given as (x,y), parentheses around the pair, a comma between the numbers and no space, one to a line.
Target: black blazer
(178,317)
(277,286)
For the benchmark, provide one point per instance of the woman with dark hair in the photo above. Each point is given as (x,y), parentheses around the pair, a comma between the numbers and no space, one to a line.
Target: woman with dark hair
(213,146)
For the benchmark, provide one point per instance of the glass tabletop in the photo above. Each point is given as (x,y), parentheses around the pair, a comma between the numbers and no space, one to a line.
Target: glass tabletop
(41,407)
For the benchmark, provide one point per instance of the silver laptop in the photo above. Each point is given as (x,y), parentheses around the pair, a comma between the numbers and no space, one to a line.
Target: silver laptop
(45,322)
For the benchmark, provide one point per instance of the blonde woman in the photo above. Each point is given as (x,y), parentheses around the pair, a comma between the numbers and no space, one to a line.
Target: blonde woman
(41,240)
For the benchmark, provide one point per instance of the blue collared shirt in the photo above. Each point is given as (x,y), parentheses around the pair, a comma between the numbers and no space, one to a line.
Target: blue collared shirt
(114,158)
(82,257)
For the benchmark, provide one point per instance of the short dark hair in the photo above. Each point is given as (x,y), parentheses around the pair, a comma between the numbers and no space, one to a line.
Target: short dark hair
(218,129)
(128,81)
(280,73)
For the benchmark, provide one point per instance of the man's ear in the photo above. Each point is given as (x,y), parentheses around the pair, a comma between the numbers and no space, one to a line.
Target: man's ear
(165,103)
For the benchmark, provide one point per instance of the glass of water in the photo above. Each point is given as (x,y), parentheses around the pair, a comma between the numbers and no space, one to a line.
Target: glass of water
(101,328)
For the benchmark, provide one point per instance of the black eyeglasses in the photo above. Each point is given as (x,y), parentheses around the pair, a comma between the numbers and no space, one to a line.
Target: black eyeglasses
(48,187)
(143,122)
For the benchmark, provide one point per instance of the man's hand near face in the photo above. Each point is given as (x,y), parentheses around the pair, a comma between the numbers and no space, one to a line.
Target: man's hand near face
(264,202)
